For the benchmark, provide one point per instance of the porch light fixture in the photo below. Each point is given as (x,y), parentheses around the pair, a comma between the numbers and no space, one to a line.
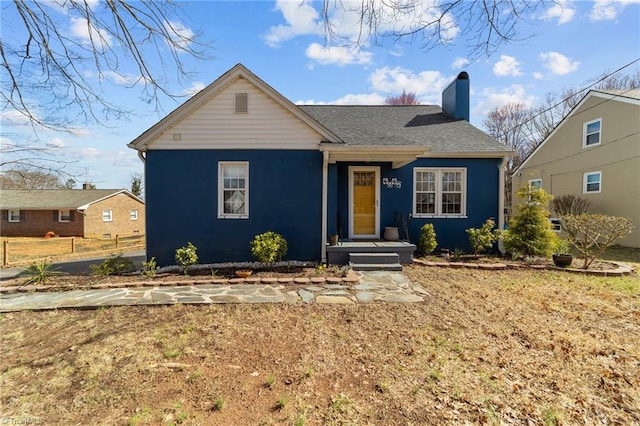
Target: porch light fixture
(392,183)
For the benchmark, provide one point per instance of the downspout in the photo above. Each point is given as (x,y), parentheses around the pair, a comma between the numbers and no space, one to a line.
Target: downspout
(501,185)
(141,156)
(325,185)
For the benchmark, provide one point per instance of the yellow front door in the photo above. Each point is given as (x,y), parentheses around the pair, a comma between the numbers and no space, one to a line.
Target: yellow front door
(364,203)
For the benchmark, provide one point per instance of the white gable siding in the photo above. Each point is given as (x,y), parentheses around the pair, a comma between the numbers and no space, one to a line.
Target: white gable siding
(215,125)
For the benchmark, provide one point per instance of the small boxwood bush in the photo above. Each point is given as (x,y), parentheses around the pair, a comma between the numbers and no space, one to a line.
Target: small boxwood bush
(269,247)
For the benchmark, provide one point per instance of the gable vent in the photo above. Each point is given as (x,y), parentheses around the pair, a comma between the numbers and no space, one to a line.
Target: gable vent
(242,102)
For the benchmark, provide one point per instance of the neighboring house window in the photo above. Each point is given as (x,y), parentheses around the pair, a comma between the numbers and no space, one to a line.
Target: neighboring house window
(535,183)
(242,103)
(233,190)
(592,182)
(13,216)
(64,215)
(592,133)
(439,192)
(133,214)
(107,215)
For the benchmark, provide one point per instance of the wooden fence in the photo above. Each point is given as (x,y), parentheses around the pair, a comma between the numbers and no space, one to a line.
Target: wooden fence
(21,251)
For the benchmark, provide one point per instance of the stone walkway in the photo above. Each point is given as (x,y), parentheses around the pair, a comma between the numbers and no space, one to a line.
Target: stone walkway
(373,286)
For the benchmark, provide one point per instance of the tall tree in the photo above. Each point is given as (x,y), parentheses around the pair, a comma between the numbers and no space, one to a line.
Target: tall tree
(24,178)
(404,99)
(507,124)
(136,184)
(485,24)
(53,76)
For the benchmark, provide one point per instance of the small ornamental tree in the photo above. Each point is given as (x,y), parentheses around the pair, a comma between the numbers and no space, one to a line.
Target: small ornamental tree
(530,232)
(186,257)
(591,234)
(269,247)
(427,239)
(482,239)
(567,204)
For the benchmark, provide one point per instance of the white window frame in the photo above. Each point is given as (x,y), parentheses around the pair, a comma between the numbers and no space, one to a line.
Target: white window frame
(532,183)
(585,134)
(556,225)
(438,192)
(133,214)
(61,216)
(585,180)
(107,215)
(11,217)
(222,189)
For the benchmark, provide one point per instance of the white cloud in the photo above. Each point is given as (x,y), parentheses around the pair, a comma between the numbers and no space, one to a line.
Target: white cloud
(558,64)
(492,99)
(606,10)
(337,55)
(56,143)
(350,99)
(301,18)
(180,35)
(538,75)
(195,87)
(460,63)
(563,11)
(349,25)
(89,33)
(427,85)
(507,66)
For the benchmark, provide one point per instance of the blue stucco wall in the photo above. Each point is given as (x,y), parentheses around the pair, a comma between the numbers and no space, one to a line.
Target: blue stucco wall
(181,194)
(482,199)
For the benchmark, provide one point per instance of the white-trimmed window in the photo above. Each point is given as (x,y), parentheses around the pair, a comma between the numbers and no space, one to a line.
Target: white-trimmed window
(535,183)
(13,215)
(233,190)
(556,225)
(107,215)
(133,214)
(592,182)
(439,192)
(591,133)
(64,215)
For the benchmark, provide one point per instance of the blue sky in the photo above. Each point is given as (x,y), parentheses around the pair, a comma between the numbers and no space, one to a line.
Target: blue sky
(562,45)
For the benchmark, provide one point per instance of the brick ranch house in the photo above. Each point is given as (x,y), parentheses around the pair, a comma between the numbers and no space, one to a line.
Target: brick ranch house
(88,213)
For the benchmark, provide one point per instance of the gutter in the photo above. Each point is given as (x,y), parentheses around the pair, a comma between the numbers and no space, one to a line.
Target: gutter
(501,185)
(325,195)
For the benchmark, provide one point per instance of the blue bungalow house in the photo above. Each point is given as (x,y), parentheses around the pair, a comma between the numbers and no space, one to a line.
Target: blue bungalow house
(239,159)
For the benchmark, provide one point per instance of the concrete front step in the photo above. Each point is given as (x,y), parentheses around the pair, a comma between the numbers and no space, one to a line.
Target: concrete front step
(374,258)
(376,267)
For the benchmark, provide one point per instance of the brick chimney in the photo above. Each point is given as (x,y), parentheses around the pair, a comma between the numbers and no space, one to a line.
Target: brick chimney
(455,98)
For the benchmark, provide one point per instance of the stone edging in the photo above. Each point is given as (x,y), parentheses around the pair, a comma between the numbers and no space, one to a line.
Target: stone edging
(350,279)
(621,269)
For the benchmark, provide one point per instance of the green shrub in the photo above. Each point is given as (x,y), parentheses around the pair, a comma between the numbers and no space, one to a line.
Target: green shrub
(186,257)
(113,265)
(530,232)
(269,247)
(427,239)
(40,272)
(149,268)
(483,238)
(591,234)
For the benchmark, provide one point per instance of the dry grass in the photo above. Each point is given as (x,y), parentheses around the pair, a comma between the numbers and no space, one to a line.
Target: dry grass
(23,250)
(509,347)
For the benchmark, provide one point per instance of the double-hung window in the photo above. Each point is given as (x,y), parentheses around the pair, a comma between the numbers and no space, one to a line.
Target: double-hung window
(107,215)
(591,133)
(535,183)
(439,192)
(64,216)
(233,190)
(592,182)
(13,216)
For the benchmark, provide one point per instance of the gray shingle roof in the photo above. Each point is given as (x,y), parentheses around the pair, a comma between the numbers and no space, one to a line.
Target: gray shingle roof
(415,125)
(51,199)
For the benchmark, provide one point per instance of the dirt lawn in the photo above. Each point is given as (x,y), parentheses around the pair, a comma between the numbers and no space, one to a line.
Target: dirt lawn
(507,347)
